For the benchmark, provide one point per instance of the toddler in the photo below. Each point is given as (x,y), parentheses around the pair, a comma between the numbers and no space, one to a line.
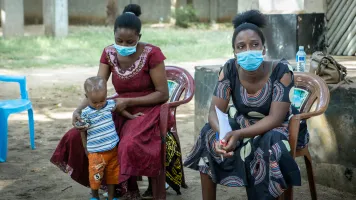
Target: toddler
(101,139)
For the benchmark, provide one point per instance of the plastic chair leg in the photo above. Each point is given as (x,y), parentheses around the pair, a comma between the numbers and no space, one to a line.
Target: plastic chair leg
(159,186)
(31,126)
(288,194)
(281,197)
(311,180)
(3,137)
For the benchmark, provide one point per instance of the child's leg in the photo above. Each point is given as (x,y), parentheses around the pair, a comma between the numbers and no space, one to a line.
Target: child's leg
(96,172)
(112,172)
(111,191)
(95,193)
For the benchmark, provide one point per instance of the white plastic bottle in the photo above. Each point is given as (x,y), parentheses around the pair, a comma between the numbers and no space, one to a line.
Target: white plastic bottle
(301,59)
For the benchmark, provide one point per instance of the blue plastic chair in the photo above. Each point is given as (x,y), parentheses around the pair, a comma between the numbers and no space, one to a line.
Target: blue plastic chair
(8,107)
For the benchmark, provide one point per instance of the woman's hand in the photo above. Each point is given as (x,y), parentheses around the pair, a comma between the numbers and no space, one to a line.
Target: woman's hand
(120,105)
(76,118)
(138,114)
(231,140)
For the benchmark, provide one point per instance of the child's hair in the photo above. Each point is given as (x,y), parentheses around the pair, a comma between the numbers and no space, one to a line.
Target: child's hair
(95,83)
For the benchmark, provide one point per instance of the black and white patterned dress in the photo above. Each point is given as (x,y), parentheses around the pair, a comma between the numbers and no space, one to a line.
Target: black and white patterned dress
(262,164)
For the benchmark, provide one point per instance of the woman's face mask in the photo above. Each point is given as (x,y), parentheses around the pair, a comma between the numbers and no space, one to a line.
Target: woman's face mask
(125,51)
(250,60)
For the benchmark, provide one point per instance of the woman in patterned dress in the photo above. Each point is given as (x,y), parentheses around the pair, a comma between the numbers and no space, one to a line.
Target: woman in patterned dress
(139,77)
(257,152)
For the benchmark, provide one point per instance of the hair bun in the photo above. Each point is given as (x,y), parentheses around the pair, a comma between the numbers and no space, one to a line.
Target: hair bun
(133,8)
(252,16)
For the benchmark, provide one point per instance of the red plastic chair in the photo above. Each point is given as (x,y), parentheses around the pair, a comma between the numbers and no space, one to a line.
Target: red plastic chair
(184,84)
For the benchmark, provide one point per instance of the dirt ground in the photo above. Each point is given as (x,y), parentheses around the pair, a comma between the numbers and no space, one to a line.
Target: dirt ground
(55,93)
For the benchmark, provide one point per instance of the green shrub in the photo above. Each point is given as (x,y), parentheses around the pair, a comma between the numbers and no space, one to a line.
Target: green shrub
(185,16)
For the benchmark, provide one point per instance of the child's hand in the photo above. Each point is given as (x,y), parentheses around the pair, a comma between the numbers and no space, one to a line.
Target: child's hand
(138,114)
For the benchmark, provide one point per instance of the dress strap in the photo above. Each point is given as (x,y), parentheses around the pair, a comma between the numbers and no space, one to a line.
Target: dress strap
(271,69)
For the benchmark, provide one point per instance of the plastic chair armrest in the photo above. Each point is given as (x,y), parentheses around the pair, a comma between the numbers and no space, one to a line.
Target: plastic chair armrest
(293,129)
(311,114)
(294,124)
(178,103)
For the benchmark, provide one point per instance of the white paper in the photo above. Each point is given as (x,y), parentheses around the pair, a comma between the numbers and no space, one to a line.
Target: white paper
(224,124)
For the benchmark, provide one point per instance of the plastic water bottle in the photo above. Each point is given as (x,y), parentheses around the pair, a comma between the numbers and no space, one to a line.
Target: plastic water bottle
(301,59)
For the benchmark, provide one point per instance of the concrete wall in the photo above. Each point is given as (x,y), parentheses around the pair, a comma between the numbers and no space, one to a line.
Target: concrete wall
(333,141)
(227,10)
(285,32)
(87,11)
(332,135)
(94,11)
(317,6)
(153,11)
(247,5)
(33,11)
(284,6)
(213,10)
(205,79)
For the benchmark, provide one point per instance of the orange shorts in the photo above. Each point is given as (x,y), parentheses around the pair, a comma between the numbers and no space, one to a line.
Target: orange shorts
(103,165)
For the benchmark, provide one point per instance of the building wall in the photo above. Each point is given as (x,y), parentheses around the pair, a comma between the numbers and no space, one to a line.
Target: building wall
(227,10)
(94,11)
(213,10)
(283,6)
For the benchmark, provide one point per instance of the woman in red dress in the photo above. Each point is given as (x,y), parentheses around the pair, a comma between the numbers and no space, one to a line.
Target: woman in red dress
(139,77)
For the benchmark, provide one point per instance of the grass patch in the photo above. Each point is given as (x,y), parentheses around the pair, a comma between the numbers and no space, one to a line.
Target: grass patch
(84,46)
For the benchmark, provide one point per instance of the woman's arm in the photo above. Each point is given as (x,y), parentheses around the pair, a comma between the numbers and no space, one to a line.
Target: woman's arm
(275,118)
(161,95)
(222,104)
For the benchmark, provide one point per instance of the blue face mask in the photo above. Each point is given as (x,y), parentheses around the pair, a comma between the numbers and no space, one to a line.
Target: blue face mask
(250,60)
(125,51)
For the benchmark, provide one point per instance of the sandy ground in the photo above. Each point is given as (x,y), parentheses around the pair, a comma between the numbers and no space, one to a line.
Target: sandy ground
(55,93)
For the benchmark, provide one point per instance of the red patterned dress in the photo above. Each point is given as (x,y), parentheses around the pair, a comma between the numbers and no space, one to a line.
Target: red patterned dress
(140,143)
